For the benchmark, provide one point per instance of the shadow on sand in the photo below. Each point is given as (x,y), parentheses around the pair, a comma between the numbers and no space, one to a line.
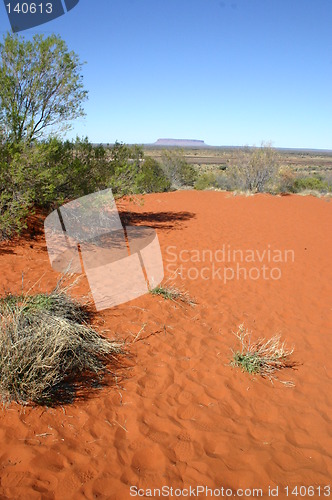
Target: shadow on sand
(157,220)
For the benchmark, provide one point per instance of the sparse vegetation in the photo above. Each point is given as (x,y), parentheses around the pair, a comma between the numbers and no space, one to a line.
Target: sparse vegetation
(264,169)
(51,172)
(170,292)
(285,180)
(292,182)
(206,181)
(262,357)
(254,170)
(56,303)
(312,183)
(177,170)
(47,348)
(151,178)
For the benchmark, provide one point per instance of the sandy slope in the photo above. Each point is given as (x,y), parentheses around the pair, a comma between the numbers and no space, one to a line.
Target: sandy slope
(181,416)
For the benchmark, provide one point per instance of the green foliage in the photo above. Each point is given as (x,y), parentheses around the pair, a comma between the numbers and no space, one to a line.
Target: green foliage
(188,174)
(249,362)
(177,170)
(206,181)
(40,86)
(45,175)
(15,197)
(124,165)
(311,183)
(289,181)
(67,170)
(151,178)
(13,214)
(48,173)
(168,292)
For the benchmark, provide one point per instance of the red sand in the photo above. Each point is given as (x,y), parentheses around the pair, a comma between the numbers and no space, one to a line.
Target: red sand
(182,416)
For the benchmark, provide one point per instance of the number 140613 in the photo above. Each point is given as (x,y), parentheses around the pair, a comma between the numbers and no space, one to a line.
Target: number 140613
(308,491)
(30,8)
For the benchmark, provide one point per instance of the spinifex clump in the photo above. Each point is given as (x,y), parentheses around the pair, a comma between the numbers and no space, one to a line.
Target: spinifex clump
(47,346)
(262,357)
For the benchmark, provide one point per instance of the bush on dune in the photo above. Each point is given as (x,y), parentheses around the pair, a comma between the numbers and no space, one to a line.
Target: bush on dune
(177,170)
(14,210)
(312,183)
(15,196)
(151,178)
(285,180)
(254,169)
(291,182)
(48,173)
(47,349)
(208,180)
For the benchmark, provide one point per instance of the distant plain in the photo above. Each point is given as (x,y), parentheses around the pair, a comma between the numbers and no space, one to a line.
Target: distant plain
(214,159)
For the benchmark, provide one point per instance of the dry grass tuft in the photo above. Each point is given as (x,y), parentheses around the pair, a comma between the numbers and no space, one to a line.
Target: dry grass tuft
(47,347)
(262,357)
(170,292)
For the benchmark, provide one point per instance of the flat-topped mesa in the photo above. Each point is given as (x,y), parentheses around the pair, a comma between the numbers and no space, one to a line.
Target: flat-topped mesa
(180,142)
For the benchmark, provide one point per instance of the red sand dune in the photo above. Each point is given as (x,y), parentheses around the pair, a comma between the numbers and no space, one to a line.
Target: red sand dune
(182,416)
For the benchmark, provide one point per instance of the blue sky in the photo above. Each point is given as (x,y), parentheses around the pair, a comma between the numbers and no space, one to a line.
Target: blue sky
(230,72)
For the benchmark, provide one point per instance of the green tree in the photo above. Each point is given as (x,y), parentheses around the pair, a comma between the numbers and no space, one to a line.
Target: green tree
(40,87)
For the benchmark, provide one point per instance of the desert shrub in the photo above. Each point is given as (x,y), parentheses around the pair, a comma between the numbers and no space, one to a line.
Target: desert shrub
(42,174)
(188,174)
(66,170)
(14,208)
(47,348)
(262,357)
(16,197)
(48,173)
(206,181)
(151,178)
(291,182)
(56,303)
(285,182)
(328,179)
(177,170)
(224,182)
(254,169)
(124,166)
(130,173)
(312,183)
